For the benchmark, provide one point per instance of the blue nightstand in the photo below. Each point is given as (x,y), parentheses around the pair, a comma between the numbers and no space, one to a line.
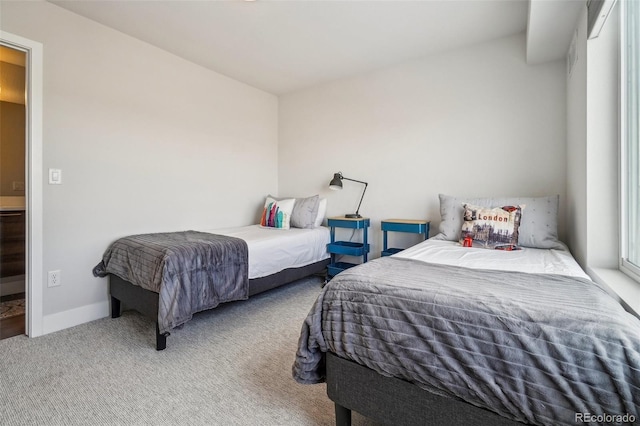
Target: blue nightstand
(347,248)
(402,225)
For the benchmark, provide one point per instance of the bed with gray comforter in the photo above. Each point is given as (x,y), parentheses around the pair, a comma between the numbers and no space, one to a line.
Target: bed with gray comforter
(191,271)
(533,348)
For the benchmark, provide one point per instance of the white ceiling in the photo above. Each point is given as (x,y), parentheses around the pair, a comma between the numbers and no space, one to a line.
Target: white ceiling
(282,46)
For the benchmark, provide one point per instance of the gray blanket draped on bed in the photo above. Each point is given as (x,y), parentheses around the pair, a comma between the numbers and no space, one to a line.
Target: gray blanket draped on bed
(191,271)
(534,348)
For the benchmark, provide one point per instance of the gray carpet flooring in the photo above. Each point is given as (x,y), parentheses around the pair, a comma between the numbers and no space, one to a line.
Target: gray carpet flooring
(227,366)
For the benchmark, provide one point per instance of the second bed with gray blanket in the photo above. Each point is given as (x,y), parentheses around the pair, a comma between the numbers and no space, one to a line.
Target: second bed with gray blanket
(533,348)
(191,271)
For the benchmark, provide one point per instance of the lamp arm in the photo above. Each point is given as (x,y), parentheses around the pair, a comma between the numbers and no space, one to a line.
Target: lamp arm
(353,180)
(361,198)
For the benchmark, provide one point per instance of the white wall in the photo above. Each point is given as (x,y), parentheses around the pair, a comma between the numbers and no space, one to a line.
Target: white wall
(592,161)
(577,147)
(146,141)
(477,121)
(602,145)
(592,147)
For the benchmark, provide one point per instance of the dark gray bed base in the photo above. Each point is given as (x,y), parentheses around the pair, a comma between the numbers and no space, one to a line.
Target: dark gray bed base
(393,401)
(146,301)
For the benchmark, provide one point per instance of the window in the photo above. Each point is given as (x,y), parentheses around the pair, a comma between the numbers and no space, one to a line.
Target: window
(630,146)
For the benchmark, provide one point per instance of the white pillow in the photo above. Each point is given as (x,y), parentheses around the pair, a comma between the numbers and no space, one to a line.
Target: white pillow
(277,213)
(322,210)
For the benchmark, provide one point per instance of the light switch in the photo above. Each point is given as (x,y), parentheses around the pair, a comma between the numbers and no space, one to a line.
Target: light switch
(55,176)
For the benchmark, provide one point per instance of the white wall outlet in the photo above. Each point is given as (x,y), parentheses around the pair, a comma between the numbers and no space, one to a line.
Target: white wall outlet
(55,278)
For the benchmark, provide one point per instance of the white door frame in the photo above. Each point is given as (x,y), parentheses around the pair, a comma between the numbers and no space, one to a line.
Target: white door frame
(34,239)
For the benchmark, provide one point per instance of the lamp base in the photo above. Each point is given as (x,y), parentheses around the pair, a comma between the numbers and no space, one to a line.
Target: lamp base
(352,216)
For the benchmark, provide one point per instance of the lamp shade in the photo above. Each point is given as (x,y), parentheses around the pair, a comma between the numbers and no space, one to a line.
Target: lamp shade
(336,182)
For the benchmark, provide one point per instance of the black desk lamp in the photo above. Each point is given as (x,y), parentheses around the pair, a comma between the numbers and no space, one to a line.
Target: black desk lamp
(336,183)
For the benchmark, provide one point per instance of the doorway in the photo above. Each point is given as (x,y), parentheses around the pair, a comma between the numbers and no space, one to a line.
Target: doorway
(13,152)
(33,175)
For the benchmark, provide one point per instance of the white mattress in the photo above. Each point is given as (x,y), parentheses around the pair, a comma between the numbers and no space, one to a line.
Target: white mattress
(273,250)
(530,260)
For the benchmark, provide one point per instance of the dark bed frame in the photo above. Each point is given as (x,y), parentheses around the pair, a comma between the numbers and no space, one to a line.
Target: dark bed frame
(146,301)
(389,400)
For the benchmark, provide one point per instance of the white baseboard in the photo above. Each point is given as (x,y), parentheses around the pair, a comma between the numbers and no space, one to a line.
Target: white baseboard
(71,318)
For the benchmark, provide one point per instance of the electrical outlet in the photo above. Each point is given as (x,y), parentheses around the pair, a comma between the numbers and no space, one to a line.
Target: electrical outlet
(55,278)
